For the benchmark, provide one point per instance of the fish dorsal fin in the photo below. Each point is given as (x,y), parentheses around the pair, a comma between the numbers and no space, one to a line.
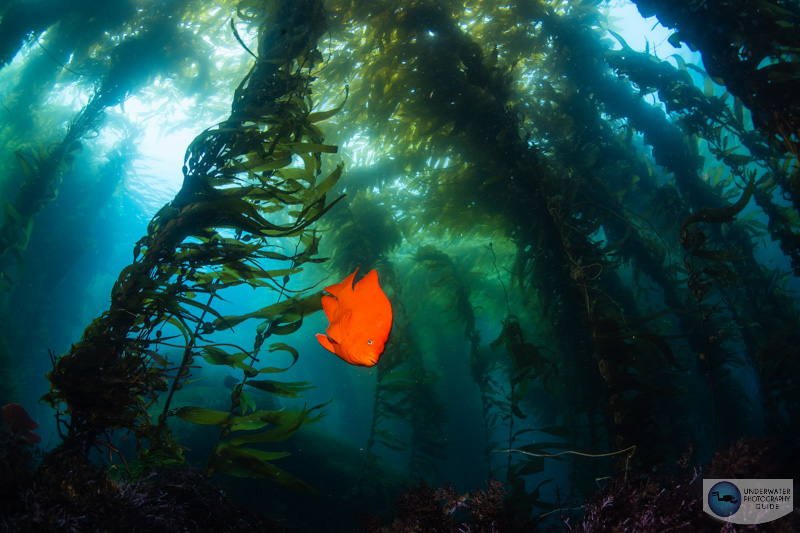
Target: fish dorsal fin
(371,297)
(368,283)
(346,285)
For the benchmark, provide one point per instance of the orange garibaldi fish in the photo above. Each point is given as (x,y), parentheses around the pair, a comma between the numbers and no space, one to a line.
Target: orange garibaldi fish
(360,319)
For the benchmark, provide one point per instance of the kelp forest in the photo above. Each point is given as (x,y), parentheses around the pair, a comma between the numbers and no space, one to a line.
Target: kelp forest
(590,247)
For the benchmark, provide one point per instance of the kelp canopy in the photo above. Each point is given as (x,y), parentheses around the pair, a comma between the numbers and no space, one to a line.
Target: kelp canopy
(597,245)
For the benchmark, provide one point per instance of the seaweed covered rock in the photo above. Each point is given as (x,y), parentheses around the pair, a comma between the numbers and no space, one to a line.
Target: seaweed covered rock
(751,459)
(649,504)
(69,493)
(423,508)
(675,503)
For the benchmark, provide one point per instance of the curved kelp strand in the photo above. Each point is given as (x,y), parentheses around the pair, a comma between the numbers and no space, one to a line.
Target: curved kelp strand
(240,201)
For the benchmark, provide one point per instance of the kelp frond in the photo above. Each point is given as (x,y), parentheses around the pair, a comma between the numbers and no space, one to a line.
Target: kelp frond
(251,184)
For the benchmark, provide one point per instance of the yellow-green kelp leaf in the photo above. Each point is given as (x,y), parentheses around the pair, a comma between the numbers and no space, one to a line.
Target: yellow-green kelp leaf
(218,356)
(301,147)
(287,390)
(247,403)
(286,422)
(721,214)
(329,181)
(255,420)
(201,415)
(280,346)
(226,449)
(318,116)
(301,306)
(246,462)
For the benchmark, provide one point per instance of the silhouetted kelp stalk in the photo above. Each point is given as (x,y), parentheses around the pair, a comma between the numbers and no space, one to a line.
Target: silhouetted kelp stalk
(526,363)
(461,104)
(576,177)
(753,52)
(700,279)
(125,55)
(230,454)
(695,113)
(212,236)
(41,170)
(628,356)
(700,112)
(623,349)
(727,257)
(754,311)
(452,280)
(363,233)
(404,391)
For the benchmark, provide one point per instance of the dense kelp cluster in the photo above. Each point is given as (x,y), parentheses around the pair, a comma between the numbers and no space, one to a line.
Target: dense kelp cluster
(572,233)
(523,123)
(213,236)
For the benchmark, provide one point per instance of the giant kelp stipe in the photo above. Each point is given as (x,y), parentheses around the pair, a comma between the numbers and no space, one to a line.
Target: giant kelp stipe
(590,249)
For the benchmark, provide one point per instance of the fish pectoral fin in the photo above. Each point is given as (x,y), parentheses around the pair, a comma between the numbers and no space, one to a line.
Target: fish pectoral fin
(339,327)
(329,306)
(326,342)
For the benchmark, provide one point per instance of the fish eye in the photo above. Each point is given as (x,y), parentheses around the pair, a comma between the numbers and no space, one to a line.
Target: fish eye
(369,341)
